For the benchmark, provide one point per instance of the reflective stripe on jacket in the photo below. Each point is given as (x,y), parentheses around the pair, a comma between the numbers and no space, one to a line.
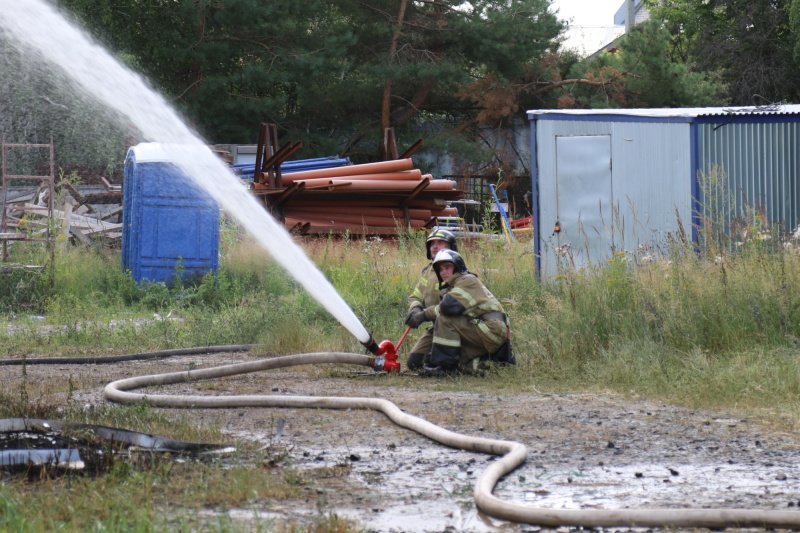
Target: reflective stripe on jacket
(467,295)
(426,294)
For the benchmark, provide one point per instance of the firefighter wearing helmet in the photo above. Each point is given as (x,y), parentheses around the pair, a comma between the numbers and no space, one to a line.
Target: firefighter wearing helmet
(426,296)
(470,325)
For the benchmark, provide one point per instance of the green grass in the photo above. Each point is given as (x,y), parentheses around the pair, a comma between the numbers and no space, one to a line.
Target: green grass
(713,329)
(718,329)
(134,499)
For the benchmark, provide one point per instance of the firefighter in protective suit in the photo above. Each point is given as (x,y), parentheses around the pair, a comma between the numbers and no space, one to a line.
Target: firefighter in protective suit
(470,324)
(426,296)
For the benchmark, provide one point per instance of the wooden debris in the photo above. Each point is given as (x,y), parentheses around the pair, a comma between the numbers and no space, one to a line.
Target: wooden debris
(80,220)
(87,225)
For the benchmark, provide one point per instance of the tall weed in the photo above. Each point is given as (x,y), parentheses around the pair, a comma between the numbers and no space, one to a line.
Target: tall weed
(669,312)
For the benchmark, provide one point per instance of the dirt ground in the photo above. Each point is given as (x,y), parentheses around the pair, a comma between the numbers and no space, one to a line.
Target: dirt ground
(584,451)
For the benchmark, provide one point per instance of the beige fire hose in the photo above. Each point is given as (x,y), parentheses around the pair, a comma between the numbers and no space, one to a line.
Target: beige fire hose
(513,453)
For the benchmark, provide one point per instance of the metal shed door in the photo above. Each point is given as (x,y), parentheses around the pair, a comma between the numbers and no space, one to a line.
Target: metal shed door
(583,196)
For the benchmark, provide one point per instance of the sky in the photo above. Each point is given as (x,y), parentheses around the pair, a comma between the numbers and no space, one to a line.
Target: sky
(592,24)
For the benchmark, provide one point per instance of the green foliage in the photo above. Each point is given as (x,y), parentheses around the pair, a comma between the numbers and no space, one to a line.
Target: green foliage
(373,279)
(733,297)
(749,44)
(21,288)
(718,306)
(794,23)
(319,68)
(642,73)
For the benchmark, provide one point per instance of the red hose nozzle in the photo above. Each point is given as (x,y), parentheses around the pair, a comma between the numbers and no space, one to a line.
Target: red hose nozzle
(386,347)
(389,361)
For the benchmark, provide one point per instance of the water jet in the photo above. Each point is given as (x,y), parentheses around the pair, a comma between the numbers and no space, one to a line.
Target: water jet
(39,26)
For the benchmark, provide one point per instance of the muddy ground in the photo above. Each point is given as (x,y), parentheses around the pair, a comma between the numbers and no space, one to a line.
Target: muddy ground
(584,451)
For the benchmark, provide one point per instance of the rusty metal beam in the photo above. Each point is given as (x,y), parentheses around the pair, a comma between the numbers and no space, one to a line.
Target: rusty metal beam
(414,147)
(389,146)
(289,192)
(404,204)
(262,132)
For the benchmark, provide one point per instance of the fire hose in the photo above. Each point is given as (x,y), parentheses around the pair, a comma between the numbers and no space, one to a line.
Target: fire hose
(513,453)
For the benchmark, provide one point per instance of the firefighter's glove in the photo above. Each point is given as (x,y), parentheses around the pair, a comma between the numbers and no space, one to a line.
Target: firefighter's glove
(415,317)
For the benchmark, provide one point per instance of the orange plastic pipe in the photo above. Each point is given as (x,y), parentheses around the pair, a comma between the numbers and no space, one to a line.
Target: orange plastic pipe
(446,212)
(323,182)
(356,219)
(344,209)
(350,170)
(329,223)
(358,200)
(414,174)
(377,185)
(354,229)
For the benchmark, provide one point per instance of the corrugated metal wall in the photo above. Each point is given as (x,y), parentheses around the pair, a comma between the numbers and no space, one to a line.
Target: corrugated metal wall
(651,181)
(762,168)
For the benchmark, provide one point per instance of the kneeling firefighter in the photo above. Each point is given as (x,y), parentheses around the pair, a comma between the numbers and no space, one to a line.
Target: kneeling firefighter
(426,295)
(470,323)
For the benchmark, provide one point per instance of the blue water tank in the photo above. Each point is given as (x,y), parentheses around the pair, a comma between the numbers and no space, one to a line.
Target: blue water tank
(168,220)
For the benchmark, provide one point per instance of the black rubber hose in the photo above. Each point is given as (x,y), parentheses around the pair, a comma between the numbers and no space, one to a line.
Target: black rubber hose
(127,357)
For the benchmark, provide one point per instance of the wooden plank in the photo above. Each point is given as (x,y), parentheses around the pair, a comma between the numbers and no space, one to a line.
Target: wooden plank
(80,221)
(12,236)
(92,231)
(6,268)
(111,213)
(79,235)
(65,229)
(21,196)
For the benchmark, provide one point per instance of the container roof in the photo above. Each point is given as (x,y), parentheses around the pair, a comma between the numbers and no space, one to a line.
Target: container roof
(677,112)
(152,152)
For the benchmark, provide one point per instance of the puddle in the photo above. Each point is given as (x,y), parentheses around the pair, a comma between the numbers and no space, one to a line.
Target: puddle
(654,485)
(33,446)
(430,487)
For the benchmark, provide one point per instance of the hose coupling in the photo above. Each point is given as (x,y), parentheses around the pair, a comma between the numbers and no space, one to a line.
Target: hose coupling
(385,348)
(372,346)
(389,360)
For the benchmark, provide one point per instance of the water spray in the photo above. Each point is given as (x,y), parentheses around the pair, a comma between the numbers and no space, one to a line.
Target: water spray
(40,27)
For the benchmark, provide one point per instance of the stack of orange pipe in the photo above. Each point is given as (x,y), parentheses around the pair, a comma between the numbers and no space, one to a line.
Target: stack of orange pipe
(373,198)
(396,165)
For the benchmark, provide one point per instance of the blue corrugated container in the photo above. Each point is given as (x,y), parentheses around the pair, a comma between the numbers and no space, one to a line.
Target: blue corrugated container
(168,221)
(606,181)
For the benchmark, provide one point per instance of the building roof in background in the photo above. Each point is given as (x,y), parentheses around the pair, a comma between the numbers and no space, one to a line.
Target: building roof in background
(676,112)
(642,13)
(586,40)
(590,41)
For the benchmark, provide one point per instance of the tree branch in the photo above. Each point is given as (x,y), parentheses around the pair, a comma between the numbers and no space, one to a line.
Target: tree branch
(550,85)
